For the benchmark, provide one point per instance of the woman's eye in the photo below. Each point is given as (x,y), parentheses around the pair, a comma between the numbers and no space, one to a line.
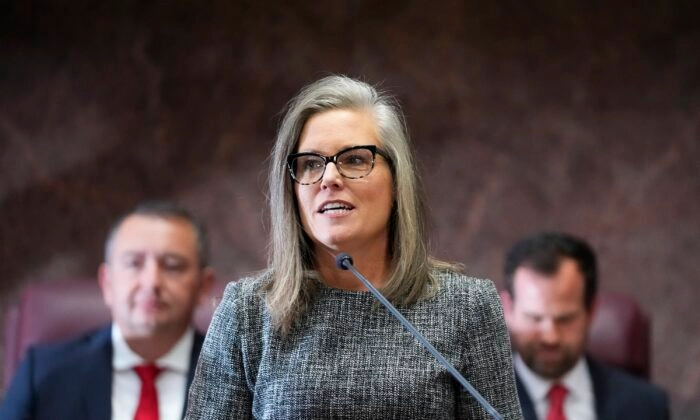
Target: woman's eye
(354,160)
(313,164)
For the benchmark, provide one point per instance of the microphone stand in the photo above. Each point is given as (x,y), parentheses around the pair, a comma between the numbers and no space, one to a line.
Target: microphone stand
(344,261)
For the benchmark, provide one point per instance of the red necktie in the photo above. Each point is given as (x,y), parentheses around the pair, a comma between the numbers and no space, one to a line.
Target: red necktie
(148,402)
(556,396)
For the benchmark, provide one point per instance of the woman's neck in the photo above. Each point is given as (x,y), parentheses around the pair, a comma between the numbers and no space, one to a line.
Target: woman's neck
(372,263)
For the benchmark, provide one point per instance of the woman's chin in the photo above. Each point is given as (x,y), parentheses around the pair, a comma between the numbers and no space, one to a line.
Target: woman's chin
(335,243)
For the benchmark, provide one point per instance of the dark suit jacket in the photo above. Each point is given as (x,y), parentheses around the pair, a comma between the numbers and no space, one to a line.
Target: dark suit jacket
(618,395)
(69,380)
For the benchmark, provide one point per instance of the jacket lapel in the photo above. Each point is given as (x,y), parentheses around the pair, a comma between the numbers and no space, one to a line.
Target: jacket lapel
(94,379)
(600,390)
(525,401)
(196,348)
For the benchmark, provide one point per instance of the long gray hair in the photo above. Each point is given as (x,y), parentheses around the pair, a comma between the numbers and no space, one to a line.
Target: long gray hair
(291,253)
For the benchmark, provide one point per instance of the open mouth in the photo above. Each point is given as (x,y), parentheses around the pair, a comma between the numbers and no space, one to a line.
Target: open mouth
(335,207)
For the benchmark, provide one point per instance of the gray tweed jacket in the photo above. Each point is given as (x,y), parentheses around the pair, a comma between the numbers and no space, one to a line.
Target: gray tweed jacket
(348,358)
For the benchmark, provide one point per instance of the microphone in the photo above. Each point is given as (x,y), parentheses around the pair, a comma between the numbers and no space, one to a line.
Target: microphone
(344,261)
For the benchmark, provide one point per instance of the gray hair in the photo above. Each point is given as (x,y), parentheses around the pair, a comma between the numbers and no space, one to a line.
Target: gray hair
(164,210)
(291,253)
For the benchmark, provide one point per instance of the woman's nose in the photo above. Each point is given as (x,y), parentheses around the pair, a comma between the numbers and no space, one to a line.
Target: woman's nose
(331,176)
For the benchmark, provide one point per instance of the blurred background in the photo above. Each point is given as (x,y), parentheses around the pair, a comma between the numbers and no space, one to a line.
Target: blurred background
(525,116)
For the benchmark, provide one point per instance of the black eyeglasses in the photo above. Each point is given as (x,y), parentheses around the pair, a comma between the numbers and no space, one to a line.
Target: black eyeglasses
(354,162)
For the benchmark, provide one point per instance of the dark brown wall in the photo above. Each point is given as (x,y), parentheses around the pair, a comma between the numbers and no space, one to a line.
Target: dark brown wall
(526,116)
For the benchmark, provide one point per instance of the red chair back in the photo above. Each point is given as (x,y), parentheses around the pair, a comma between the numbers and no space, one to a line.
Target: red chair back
(620,334)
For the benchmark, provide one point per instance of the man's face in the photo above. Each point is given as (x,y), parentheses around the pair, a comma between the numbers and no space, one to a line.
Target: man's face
(547,318)
(152,281)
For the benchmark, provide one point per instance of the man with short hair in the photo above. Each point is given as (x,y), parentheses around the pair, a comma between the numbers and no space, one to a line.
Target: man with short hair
(551,282)
(154,275)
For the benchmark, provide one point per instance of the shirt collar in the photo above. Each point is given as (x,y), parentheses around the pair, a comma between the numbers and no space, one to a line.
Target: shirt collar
(577,381)
(176,359)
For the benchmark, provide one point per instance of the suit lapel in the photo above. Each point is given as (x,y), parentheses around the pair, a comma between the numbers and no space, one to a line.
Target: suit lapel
(600,390)
(94,379)
(525,401)
(196,348)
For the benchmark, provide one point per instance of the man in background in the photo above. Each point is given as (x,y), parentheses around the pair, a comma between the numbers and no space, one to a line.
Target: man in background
(551,282)
(154,274)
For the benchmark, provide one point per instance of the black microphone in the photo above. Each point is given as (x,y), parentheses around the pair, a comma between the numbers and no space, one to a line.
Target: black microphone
(344,261)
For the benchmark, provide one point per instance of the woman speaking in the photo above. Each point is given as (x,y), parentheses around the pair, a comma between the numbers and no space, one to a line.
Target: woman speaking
(304,339)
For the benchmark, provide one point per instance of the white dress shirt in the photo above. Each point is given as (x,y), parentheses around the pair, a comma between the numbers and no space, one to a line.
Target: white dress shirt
(580,400)
(171,383)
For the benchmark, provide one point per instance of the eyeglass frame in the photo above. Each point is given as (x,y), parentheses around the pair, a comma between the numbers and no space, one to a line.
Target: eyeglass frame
(334,159)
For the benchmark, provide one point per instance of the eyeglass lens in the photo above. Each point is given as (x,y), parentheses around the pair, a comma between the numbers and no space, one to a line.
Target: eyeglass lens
(352,163)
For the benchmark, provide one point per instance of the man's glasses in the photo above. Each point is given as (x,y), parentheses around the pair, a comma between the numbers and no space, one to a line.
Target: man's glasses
(354,162)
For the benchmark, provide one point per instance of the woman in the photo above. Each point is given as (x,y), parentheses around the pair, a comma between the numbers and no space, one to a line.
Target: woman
(304,339)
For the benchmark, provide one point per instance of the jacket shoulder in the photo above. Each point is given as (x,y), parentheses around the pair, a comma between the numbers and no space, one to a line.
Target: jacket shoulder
(620,378)
(620,390)
(49,379)
(470,289)
(65,351)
